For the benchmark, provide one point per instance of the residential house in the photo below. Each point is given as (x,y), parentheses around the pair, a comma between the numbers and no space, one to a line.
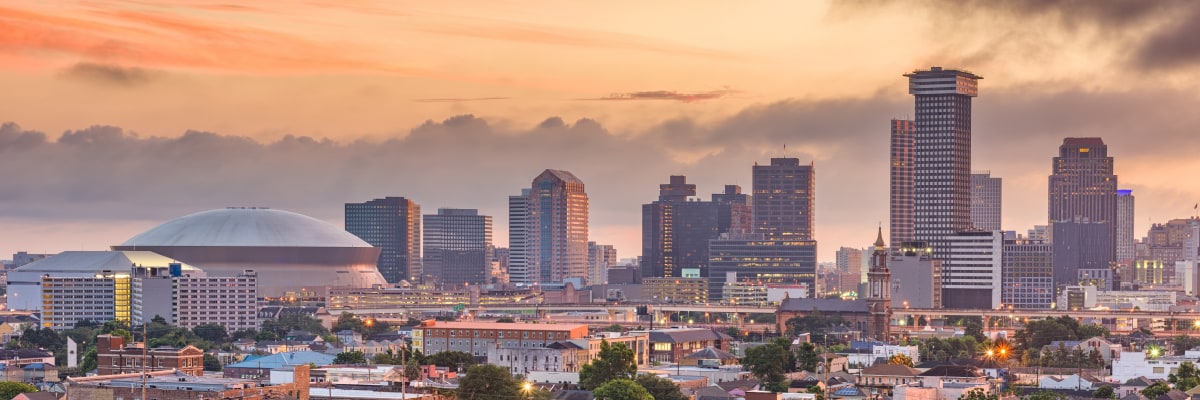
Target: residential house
(1071,382)
(671,345)
(710,357)
(1133,364)
(935,387)
(881,378)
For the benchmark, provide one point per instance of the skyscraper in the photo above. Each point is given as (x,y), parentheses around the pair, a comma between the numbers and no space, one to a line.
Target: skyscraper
(557,227)
(1083,185)
(1080,244)
(518,240)
(985,201)
(902,181)
(601,257)
(1028,274)
(456,244)
(971,276)
(942,154)
(676,230)
(392,224)
(784,198)
(1124,229)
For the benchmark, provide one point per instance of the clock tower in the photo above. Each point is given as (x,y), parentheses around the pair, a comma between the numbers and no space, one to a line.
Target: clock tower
(879,296)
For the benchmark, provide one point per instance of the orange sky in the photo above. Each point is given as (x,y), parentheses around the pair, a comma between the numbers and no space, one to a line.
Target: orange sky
(374,70)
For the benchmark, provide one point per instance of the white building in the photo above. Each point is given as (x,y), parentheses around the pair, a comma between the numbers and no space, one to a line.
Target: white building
(187,300)
(935,388)
(744,293)
(887,351)
(971,270)
(68,300)
(1132,364)
(25,283)
(1070,382)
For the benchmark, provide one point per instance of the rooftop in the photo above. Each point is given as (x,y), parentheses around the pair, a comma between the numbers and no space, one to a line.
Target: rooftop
(96,261)
(255,227)
(285,359)
(511,326)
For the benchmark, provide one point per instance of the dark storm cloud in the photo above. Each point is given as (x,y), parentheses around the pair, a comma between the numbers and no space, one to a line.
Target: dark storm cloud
(665,95)
(1145,35)
(105,172)
(109,74)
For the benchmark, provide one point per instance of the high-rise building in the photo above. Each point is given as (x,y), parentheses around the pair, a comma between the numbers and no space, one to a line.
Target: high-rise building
(601,257)
(456,246)
(916,277)
(942,154)
(1083,184)
(971,270)
(189,300)
(985,201)
(1028,274)
(393,224)
(1080,244)
(850,263)
(784,199)
(676,229)
(1124,229)
(557,227)
(902,181)
(519,270)
(751,259)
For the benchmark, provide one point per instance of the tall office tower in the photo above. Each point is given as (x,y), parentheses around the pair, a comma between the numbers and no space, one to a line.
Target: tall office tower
(557,227)
(916,277)
(518,240)
(732,195)
(676,230)
(942,154)
(971,270)
(1080,244)
(784,199)
(1028,274)
(902,181)
(985,201)
(392,224)
(1083,184)
(1124,228)
(457,246)
(601,257)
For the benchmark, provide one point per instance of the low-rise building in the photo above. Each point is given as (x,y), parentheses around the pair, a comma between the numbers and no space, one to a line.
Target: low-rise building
(1070,382)
(175,385)
(936,388)
(259,368)
(671,345)
(192,299)
(1135,364)
(676,290)
(881,378)
(556,357)
(477,338)
(1105,349)
(113,357)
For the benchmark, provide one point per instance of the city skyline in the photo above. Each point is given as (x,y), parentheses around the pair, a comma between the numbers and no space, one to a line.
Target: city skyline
(359,122)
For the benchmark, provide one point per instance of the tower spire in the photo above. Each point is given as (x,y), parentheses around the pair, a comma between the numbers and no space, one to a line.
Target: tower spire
(879,244)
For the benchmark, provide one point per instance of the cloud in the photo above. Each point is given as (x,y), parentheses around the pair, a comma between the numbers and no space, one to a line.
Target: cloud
(109,74)
(1175,46)
(576,37)
(665,95)
(458,99)
(104,175)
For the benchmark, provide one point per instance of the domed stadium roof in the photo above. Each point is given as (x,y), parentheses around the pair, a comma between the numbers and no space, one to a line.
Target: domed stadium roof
(245,227)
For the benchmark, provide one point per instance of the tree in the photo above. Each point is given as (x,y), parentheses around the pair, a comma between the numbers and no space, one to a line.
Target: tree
(1186,377)
(900,359)
(1044,395)
(975,329)
(348,321)
(88,362)
(978,394)
(215,333)
(8,390)
(615,361)
(451,359)
(817,392)
(1103,392)
(350,357)
(1155,390)
(807,357)
(621,389)
(505,320)
(660,388)
(211,363)
(615,328)
(412,370)
(766,363)
(486,382)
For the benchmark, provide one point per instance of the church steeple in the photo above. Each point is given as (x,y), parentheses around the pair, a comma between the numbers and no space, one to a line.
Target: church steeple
(879,244)
(879,297)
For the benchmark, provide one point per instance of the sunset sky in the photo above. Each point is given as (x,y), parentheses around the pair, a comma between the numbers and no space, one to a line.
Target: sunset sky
(123,114)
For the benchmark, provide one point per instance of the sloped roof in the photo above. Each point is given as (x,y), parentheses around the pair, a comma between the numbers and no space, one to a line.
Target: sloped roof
(96,261)
(958,371)
(738,384)
(562,175)
(285,359)
(824,305)
(710,352)
(890,370)
(683,335)
(849,391)
(572,395)
(1139,381)
(712,393)
(246,227)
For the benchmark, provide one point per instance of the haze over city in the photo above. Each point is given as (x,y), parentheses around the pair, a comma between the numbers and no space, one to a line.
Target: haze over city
(122,115)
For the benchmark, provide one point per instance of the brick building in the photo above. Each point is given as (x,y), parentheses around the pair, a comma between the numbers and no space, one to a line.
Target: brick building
(672,345)
(476,338)
(114,357)
(854,313)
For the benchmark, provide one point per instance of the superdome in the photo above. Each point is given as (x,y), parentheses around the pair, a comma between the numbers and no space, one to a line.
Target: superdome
(249,226)
(290,252)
